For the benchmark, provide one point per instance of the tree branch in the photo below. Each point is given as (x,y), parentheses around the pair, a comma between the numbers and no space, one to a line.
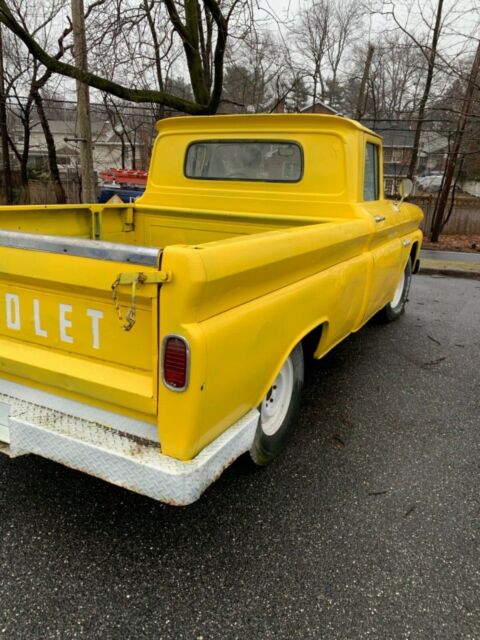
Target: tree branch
(103,84)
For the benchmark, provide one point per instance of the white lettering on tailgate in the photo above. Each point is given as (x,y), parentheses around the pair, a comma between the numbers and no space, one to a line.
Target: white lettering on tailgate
(96,316)
(13,310)
(12,303)
(36,320)
(65,323)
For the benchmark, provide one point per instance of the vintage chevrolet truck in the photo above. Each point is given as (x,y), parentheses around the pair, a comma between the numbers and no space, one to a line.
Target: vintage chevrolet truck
(152,344)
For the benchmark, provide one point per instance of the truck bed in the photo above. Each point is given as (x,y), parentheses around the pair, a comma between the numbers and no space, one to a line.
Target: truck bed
(143,225)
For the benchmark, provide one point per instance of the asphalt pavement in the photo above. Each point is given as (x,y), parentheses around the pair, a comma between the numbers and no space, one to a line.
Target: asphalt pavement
(366,527)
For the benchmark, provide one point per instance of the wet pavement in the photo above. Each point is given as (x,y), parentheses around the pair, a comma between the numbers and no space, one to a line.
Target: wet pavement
(366,527)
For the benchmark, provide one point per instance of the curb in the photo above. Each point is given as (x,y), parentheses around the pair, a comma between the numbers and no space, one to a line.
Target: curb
(451,272)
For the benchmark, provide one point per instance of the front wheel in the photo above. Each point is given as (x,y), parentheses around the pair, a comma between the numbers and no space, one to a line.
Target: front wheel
(278,410)
(396,307)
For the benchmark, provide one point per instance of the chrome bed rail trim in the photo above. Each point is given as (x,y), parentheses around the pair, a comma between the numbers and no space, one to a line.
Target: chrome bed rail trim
(112,251)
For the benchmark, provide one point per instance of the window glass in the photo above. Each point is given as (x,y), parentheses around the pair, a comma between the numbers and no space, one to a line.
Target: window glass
(389,186)
(256,160)
(371,188)
(397,155)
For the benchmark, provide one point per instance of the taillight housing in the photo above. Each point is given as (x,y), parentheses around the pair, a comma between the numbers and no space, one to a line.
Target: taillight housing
(175,362)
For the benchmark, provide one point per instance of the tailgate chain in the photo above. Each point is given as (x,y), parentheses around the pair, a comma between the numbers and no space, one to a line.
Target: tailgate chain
(134,279)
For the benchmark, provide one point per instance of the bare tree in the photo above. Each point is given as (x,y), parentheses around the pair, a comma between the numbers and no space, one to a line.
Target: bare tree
(324,34)
(439,214)
(128,126)
(25,83)
(139,45)
(7,173)
(313,39)
(394,81)
(28,79)
(255,73)
(21,73)
(60,194)
(202,29)
(427,47)
(345,27)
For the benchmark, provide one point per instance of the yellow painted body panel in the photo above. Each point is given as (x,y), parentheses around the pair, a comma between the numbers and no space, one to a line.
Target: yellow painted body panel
(254,267)
(91,357)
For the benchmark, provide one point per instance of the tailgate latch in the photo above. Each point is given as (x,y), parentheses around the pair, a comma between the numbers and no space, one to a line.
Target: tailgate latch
(134,280)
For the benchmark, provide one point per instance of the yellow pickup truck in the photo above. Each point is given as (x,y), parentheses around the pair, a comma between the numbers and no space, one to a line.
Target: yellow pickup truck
(152,344)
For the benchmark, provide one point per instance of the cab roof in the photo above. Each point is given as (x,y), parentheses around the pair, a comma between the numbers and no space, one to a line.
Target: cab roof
(263,122)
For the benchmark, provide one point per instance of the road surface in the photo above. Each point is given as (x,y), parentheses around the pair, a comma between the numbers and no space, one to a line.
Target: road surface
(367,527)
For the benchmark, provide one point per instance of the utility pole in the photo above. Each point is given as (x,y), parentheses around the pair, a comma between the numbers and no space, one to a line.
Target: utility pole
(7,172)
(89,194)
(438,216)
(363,84)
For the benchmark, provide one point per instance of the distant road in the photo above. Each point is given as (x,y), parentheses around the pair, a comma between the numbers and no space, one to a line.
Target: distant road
(450,256)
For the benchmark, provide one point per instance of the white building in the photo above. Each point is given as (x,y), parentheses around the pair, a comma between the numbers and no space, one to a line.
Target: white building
(107,146)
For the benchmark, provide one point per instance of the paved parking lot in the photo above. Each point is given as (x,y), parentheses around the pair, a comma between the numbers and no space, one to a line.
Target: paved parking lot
(367,527)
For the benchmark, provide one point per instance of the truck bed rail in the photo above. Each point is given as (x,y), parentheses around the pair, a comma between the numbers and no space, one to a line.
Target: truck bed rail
(98,249)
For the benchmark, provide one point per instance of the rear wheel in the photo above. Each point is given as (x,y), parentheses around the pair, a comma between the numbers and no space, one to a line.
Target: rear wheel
(396,307)
(278,410)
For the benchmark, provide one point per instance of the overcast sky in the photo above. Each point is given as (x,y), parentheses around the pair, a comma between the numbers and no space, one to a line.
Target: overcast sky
(282,7)
(466,22)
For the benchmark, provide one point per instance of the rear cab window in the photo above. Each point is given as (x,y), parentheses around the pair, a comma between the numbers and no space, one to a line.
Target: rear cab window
(248,160)
(371,185)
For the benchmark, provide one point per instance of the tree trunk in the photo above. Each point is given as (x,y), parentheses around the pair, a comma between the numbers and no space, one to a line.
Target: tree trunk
(363,84)
(7,172)
(52,152)
(426,91)
(24,160)
(133,151)
(439,214)
(124,151)
(156,52)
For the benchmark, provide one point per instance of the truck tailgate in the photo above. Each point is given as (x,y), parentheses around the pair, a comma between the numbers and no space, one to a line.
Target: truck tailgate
(59,327)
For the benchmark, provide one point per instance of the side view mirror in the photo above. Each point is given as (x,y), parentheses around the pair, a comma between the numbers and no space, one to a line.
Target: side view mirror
(405,188)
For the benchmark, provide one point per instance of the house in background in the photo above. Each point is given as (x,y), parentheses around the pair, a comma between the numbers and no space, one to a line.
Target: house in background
(434,152)
(398,138)
(398,142)
(317,107)
(397,154)
(320,107)
(108,149)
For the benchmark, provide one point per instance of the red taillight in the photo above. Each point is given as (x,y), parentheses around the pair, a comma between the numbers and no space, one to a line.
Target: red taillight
(175,362)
